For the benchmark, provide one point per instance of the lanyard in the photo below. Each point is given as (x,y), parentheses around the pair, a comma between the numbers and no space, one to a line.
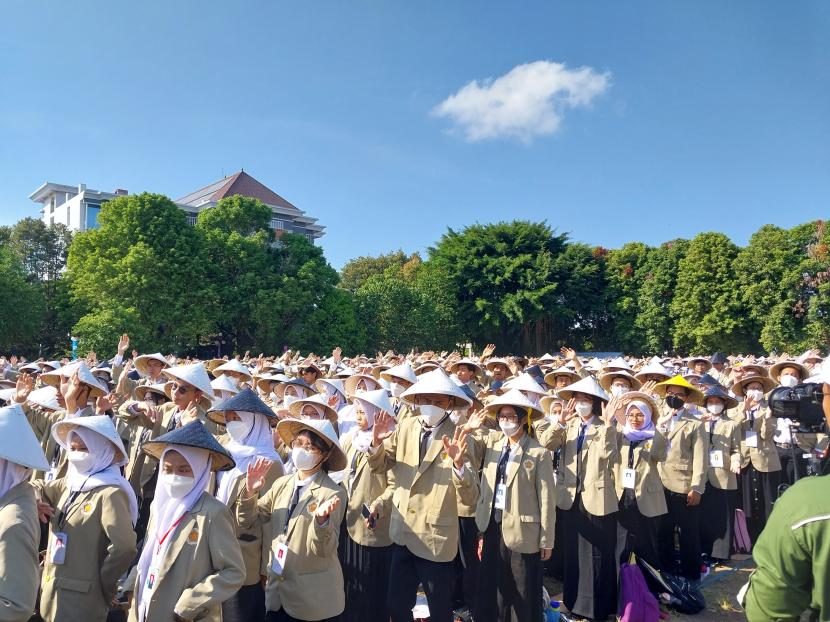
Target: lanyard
(167,533)
(63,516)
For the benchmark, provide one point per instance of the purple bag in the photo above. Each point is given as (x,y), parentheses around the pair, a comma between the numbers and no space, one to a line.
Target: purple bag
(637,604)
(741,541)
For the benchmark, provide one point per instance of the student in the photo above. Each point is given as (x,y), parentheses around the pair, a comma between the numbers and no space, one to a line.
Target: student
(191,561)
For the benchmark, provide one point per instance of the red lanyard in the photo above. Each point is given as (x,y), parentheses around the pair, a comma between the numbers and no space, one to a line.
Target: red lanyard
(167,533)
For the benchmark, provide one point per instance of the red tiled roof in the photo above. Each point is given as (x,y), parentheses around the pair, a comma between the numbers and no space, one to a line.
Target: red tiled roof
(245,185)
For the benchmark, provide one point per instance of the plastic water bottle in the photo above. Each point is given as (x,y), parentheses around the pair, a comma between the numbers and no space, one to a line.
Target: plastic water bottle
(552,612)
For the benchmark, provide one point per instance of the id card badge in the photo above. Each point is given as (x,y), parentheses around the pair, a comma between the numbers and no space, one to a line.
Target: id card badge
(629,477)
(152,577)
(716,459)
(501,493)
(50,474)
(751,439)
(278,558)
(57,553)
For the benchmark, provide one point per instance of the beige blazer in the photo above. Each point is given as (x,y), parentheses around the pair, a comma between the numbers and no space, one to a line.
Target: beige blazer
(364,483)
(725,438)
(201,569)
(19,536)
(687,460)
(764,457)
(591,473)
(529,515)
(422,496)
(475,454)
(99,548)
(42,422)
(311,585)
(648,489)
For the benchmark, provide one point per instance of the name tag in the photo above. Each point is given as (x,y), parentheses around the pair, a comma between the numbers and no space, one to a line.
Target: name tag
(152,576)
(278,558)
(501,494)
(716,459)
(807,456)
(629,478)
(751,439)
(51,474)
(57,553)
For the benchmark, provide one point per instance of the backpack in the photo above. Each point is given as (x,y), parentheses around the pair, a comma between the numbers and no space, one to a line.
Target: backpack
(637,603)
(741,541)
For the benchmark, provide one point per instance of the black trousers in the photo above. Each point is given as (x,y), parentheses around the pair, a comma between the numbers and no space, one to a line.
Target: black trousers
(510,584)
(717,520)
(247,605)
(791,467)
(407,571)
(687,520)
(466,563)
(366,581)
(281,616)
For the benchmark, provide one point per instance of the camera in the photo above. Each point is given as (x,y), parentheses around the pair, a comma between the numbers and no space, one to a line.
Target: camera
(801,404)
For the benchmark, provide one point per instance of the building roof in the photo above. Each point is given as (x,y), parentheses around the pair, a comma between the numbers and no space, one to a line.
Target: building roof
(239,183)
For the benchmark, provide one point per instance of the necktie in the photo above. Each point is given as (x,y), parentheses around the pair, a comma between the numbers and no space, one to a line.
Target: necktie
(426,437)
(581,438)
(501,477)
(295,499)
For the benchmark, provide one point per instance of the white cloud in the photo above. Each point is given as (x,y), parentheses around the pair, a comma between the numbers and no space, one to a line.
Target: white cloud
(526,102)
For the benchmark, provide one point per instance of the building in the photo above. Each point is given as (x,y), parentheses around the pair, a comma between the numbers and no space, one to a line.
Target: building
(77,207)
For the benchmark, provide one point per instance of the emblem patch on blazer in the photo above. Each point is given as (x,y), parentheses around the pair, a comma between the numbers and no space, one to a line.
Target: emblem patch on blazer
(528,464)
(312,507)
(443,455)
(193,536)
(87,508)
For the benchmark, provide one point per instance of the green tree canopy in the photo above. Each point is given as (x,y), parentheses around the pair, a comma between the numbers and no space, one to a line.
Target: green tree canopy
(21,306)
(359,270)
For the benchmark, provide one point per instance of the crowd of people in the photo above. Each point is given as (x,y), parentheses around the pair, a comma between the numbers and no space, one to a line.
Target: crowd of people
(300,487)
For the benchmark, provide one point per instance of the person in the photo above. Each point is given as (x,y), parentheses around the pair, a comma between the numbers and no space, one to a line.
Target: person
(794,448)
(683,474)
(248,421)
(366,549)
(400,378)
(468,373)
(516,512)
(760,474)
(20,454)
(560,378)
(304,511)
(618,381)
(586,498)
(427,476)
(93,510)
(724,459)
(238,374)
(790,581)
(499,369)
(191,561)
(642,501)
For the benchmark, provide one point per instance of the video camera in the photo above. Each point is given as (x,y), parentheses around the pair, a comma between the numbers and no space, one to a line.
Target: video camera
(801,404)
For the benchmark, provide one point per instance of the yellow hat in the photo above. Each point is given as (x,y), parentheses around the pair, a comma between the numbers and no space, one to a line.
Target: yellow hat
(693,395)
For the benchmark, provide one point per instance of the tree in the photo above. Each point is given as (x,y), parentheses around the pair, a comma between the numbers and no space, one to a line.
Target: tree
(21,306)
(143,270)
(625,274)
(359,270)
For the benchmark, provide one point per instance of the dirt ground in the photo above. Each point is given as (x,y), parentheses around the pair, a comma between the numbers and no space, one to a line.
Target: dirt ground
(719,588)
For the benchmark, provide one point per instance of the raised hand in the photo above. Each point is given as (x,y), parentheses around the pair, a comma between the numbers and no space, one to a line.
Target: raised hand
(255,476)
(648,387)
(24,386)
(337,354)
(568,353)
(190,413)
(104,403)
(325,509)
(123,344)
(13,360)
(474,421)
(44,511)
(383,428)
(488,350)
(568,412)
(455,449)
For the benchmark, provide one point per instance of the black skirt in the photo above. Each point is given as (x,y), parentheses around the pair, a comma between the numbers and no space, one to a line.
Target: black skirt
(366,581)
(636,533)
(717,519)
(590,587)
(758,492)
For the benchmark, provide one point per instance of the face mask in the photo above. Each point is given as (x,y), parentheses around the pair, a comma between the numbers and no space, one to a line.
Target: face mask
(788,381)
(430,414)
(618,389)
(509,428)
(715,409)
(177,486)
(303,459)
(755,394)
(237,429)
(672,401)
(584,409)
(396,389)
(287,400)
(82,460)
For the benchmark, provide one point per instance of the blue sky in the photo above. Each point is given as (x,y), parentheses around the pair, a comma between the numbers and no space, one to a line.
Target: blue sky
(700,116)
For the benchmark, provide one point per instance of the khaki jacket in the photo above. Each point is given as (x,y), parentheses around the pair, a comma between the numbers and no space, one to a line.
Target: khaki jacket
(764,457)
(475,453)
(687,460)
(648,489)
(725,437)
(99,548)
(311,585)
(202,567)
(422,496)
(529,515)
(364,482)
(591,473)
(19,536)
(42,421)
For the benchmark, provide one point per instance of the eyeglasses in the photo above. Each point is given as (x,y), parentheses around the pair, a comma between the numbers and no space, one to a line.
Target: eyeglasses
(633,415)
(181,388)
(299,443)
(503,417)
(308,370)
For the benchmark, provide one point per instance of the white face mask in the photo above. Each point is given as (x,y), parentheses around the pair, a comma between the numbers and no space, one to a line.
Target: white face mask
(430,414)
(455,417)
(788,381)
(508,427)
(303,459)
(287,400)
(584,409)
(396,389)
(755,394)
(238,430)
(81,460)
(618,389)
(177,486)
(715,409)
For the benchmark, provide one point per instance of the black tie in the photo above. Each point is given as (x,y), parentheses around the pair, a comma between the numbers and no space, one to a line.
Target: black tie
(581,438)
(501,478)
(426,437)
(295,499)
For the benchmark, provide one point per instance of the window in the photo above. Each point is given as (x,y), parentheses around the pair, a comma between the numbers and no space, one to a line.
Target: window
(278,224)
(92,215)
(191,218)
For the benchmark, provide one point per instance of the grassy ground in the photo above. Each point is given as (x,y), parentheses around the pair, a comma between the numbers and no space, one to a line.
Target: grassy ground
(719,588)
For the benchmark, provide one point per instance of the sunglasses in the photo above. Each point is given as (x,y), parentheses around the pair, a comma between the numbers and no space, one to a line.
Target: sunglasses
(181,388)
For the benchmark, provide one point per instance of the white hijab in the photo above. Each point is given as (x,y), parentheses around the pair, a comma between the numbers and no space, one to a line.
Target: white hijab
(362,439)
(12,474)
(258,443)
(166,511)
(102,472)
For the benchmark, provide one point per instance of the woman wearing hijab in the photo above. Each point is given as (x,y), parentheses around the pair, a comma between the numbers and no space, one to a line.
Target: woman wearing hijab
(314,407)
(304,511)
(191,562)
(247,420)
(367,547)
(640,491)
(93,512)
(20,453)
